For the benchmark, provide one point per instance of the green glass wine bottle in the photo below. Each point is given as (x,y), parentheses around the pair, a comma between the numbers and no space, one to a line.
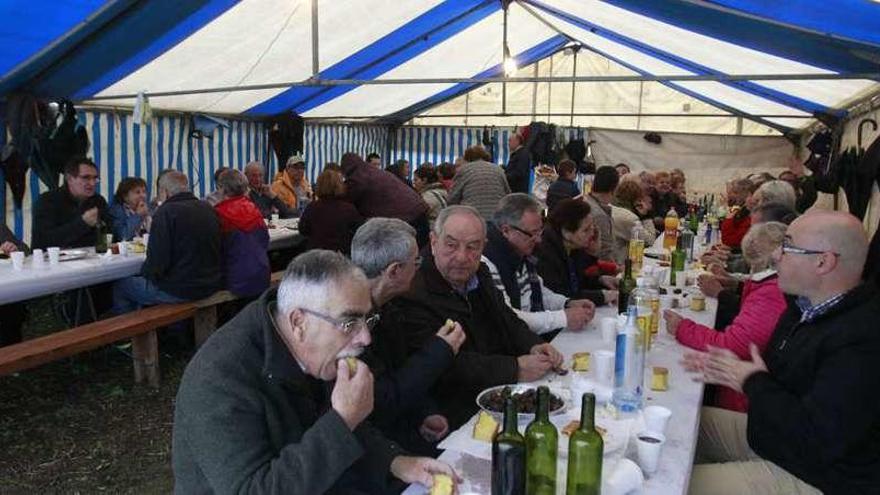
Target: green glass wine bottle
(542,443)
(585,453)
(626,285)
(509,456)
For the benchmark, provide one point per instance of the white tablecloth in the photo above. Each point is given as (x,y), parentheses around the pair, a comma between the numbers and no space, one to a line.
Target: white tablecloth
(684,398)
(35,282)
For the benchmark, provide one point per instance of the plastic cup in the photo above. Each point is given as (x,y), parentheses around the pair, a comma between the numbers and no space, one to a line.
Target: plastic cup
(17,260)
(123,248)
(38,259)
(275,218)
(109,238)
(626,477)
(146,241)
(656,418)
(608,325)
(680,279)
(604,360)
(649,445)
(54,255)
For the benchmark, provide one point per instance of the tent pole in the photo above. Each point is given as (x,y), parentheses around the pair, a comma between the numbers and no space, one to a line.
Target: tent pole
(315,68)
(488,80)
(505,54)
(535,90)
(641,94)
(574,71)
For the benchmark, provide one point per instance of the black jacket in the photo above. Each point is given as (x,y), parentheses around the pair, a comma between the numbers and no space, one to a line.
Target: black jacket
(555,267)
(183,258)
(58,220)
(495,336)
(6,235)
(248,420)
(816,413)
(561,189)
(268,205)
(518,170)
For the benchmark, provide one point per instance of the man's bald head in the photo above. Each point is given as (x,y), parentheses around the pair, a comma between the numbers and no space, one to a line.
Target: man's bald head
(835,248)
(837,232)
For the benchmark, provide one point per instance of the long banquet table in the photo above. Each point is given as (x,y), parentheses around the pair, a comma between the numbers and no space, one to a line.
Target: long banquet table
(36,282)
(684,397)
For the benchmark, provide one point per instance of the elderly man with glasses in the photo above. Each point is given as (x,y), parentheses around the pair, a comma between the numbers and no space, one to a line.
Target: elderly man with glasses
(813,421)
(68,216)
(385,249)
(275,401)
(513,234)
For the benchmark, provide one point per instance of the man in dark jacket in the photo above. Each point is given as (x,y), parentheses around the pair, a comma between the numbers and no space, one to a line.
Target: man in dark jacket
(385,249)
(68,216)
(814,396)
(519,166)
(564,187)
(262,195)
(376,193)
(12,315)
(183,256)
(258,410)
(453,284)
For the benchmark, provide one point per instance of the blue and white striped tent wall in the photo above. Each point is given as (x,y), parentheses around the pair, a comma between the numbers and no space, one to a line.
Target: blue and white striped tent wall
(123,149)
(417,144)
(327,143)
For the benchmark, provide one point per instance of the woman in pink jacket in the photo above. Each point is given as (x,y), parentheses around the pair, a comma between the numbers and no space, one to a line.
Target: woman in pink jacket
(762,305)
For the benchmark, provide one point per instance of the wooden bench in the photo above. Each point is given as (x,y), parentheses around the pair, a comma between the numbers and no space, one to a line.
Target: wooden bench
(140,326)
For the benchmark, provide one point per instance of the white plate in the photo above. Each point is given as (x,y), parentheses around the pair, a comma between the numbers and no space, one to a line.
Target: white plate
(71,254)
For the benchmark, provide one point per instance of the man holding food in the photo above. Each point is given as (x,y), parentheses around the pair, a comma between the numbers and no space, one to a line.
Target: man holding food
(452,284)
(275,400)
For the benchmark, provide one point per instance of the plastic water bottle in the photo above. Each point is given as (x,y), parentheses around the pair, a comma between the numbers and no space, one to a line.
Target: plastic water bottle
(629,365)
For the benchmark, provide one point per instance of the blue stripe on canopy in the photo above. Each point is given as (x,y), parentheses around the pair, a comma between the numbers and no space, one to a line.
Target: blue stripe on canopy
(127,43)
(528,57)
(410,40)
(812,49)
(50,21)
(750,87)
(856,20)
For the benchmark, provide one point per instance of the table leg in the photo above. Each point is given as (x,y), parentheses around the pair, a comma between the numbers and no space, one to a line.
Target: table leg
(145,356)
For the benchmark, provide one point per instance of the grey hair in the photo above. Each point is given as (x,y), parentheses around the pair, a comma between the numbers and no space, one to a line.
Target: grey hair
(310,278)
(760,242)
(380,242)
(253,166)
(174,182)
(233,183)
(777,191)
(449,211)
(512,207)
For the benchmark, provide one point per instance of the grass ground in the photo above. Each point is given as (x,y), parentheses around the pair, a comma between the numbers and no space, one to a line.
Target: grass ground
(81,425)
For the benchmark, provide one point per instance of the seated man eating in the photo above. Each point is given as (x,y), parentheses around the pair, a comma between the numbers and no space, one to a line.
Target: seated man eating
(452,284)
(273,404)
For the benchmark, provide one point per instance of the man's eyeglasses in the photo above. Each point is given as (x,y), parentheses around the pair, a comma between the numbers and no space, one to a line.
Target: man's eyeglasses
(789,248)
(348,326)
(537,234)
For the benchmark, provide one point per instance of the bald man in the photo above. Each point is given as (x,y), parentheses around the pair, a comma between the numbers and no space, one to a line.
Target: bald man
(814,396)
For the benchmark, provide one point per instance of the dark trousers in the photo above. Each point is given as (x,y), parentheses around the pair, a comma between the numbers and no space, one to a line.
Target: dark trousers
(12,318)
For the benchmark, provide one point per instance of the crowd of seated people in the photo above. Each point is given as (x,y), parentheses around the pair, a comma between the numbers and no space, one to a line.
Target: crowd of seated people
(412,298)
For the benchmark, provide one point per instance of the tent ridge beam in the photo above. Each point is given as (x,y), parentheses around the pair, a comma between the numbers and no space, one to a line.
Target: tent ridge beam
(518,79)
(566,114)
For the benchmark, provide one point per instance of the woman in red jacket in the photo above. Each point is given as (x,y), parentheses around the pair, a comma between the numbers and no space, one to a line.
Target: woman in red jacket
(762,305)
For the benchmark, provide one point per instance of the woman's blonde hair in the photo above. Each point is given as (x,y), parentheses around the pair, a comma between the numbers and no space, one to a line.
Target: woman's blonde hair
(760,242)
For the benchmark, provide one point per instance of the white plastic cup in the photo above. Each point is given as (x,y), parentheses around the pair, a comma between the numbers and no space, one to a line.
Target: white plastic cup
(680,279)
(146,242)
(37,258)
(275,218)
(626,477)
(123,248)
(109,238)
(649,445)
(54,255)
(608,326)
(604,361)
(656,419)
(17,260)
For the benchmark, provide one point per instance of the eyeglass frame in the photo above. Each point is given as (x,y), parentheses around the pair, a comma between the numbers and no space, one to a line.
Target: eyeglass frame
(788,248)
(347,326)
(536,235)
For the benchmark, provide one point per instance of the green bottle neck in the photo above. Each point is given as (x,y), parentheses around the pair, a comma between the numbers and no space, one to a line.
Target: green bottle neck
(510,418)
(588,412)
(627,269)
(543,413)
